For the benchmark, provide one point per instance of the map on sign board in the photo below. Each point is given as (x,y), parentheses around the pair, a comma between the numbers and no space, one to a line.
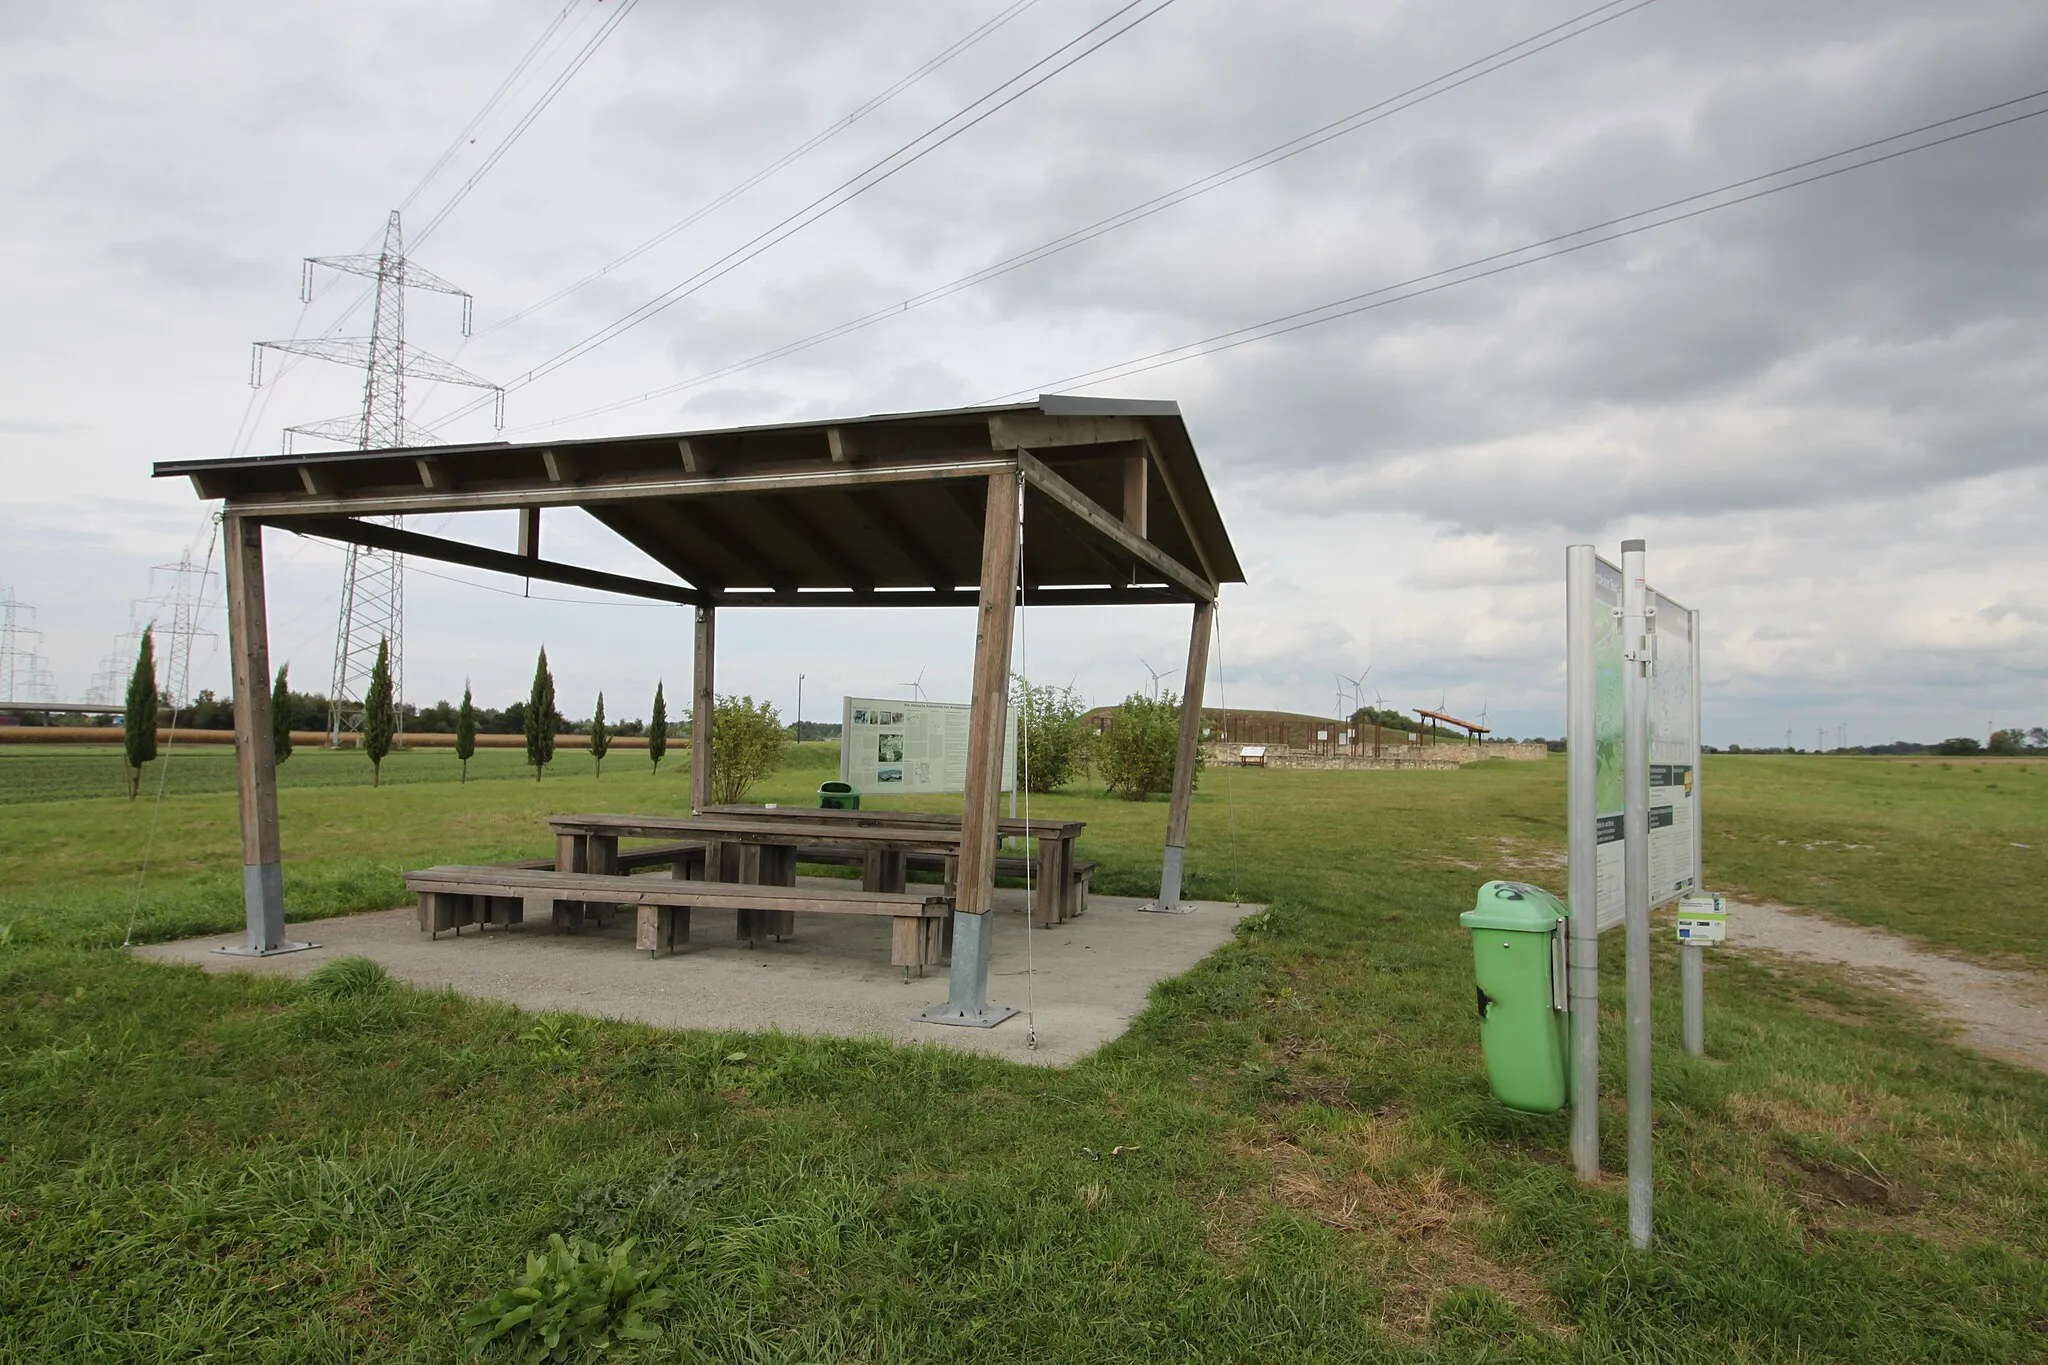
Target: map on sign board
(1672,748)
(1610,789)
(911,746)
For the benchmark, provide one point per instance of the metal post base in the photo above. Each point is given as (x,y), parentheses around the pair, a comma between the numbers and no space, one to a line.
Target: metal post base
(244,950)
(263,904)
(967,1003)
(1169,902)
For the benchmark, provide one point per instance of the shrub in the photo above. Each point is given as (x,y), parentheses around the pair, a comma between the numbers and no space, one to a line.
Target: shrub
(1959,744)
(281,716)
(572,1302)
(1136,755)
(1051,739)
(746,746)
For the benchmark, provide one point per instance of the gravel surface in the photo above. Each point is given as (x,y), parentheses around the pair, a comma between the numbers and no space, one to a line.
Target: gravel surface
(2002,1012)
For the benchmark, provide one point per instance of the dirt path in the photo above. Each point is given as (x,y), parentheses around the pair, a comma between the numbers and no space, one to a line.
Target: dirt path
(2001,1012)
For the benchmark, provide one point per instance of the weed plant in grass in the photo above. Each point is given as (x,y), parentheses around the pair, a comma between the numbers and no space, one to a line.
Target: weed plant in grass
(1292,1156)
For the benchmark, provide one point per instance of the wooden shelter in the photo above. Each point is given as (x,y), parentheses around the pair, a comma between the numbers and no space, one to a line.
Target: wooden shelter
(1066,500)
(1472,728)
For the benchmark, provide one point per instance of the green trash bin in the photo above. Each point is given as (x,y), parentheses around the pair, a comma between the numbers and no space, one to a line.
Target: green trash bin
(838,796)
(1518,967)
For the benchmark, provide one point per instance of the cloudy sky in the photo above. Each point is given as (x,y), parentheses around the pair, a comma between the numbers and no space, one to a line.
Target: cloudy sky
(1824,408)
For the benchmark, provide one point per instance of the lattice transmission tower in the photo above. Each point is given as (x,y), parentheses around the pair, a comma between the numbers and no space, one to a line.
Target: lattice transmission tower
(22,674)
(373,581)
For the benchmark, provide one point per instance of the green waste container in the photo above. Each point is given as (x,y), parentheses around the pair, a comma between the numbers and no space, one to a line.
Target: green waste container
(838,796)
(1518,968)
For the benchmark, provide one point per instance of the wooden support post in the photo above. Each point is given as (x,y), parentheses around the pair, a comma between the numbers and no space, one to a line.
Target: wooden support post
(1137,482)
(1184,761)
(967,998)
(700,711)
(255,760)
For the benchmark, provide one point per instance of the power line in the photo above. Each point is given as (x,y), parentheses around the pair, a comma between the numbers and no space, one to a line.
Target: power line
(246,432)
(1499,263)
(802,149)
(1497,60)
(894,163)
(526,121)
(463,138)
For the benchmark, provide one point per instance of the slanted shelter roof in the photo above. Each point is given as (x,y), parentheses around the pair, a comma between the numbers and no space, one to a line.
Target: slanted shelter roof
(882,510)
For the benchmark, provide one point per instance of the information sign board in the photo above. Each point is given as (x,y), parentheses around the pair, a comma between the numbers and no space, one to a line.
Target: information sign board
(1703,919)
(1610,791)
(911,746)
(1673,747)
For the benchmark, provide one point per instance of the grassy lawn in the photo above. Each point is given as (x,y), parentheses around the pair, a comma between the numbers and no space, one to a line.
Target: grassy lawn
(1312,1168)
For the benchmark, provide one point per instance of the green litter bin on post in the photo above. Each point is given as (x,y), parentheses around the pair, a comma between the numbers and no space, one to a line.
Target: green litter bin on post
(838,796)
(1518,966)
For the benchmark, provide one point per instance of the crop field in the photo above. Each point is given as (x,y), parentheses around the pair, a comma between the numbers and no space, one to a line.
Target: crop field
(1292,1156)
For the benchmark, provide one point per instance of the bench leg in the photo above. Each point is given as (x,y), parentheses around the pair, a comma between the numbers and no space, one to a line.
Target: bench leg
(445,910)
(907,944)
(659,929)
(777,867)
(1048,890)
(882,869)
(1080,902)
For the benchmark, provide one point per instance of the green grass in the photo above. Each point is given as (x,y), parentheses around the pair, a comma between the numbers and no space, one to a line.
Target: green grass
(1950,851)
(253,1169)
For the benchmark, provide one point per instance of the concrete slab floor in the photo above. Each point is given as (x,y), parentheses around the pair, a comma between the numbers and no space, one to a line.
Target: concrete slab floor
(1089,976)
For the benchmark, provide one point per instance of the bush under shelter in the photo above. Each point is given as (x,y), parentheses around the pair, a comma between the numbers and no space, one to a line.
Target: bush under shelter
(1062,501)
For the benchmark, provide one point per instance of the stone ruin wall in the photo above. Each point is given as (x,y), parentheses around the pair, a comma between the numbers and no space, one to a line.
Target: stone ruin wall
(1413,757)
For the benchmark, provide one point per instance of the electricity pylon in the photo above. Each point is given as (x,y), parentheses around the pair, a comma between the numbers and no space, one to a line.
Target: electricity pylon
(373,581)
(21,668)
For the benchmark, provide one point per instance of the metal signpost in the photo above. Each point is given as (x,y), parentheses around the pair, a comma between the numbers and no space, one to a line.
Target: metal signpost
(1633,803)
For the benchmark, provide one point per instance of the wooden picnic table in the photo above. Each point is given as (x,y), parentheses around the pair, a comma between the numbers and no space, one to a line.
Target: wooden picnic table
(758,845)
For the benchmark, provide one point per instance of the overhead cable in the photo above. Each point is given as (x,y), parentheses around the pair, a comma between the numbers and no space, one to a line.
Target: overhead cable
(526,120)
(1090,40)
(804,148)
(1436,281)
(1497,60)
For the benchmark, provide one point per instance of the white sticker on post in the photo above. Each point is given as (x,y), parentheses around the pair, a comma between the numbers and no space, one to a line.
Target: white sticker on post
(1703,919)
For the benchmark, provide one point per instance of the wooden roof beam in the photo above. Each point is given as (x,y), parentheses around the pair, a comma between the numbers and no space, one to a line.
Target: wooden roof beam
(351,531)
(706,526)
(1112,529)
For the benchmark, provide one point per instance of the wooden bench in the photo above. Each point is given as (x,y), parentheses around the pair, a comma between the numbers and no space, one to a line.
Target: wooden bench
(449,898)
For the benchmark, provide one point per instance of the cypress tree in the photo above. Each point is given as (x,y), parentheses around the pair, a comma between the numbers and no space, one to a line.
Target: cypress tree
(600,736)
(657,729)
(540,717)
(465,731)
(281,716)
(138,736)
(378,717)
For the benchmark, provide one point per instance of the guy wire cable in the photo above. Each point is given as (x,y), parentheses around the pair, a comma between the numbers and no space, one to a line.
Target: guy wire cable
(163,771)
(1229,786)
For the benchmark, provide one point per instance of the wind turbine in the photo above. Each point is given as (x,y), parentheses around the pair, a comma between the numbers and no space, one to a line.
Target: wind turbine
(1156,676)
(916,685)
